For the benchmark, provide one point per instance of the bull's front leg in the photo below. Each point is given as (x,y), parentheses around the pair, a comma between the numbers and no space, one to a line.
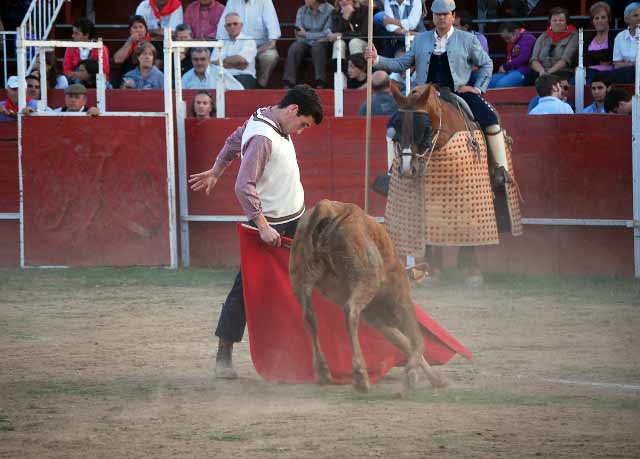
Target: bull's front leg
(320,367)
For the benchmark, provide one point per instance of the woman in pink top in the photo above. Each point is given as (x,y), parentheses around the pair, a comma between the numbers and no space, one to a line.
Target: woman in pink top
(598,47)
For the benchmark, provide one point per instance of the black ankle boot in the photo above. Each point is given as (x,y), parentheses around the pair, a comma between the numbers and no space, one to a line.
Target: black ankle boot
(224,365)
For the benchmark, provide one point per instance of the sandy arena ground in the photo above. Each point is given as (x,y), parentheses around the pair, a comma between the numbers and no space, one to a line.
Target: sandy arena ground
(118,364)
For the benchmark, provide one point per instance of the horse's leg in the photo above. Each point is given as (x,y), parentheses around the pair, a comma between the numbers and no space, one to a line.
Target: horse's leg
(320,367)
(361,295)
(468,263)
(433,257)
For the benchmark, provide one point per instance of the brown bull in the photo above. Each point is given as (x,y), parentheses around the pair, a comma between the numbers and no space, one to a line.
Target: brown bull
(350,258)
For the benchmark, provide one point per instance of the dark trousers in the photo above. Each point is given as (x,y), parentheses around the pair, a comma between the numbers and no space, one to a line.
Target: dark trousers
(319,52)
(232,319)
(483,112)
(246,80)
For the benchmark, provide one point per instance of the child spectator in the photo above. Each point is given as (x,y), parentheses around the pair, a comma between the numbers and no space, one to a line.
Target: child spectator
(203,105)
(9,107)
(33,87)
(463,21)
(313,25)
(624,47)
(348,28)
(598,46)
(260,23)
(54,79)
(356,71)
(87,71)
(203,16)
(548,89)
(159,14)
(600,87)
(557,48)
(146,75)
(83,30)
(618,101)
(516,70)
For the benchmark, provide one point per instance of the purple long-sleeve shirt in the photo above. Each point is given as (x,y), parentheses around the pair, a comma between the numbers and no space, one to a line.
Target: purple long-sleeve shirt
(256,155)
(521,53)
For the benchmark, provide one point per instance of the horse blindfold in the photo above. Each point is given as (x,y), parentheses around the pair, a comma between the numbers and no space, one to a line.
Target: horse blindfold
(422,129)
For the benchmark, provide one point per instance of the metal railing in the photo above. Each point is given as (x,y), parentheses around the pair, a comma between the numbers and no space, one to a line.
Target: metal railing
(38,21)
(6,36)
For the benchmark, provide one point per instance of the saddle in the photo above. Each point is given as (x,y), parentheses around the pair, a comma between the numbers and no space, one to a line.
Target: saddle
(449,96)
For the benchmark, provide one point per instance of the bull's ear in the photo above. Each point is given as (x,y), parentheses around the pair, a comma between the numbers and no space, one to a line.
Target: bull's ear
(397,95)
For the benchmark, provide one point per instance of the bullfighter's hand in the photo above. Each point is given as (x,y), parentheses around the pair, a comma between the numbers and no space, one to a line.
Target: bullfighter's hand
(204,180)
(270,236)
(467,88)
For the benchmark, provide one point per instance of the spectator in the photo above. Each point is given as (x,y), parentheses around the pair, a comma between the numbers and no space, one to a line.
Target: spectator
(83,30)
(624,48)
(9,107)
(356,71)
(549,91)
(598,47)
(313,25)
(238,53)
(382,102)
(159,14)
(618,101)
(203,105)
(75,100)
(87,71)
(184,33)
(349,24)
(565,90)
(203,17)
(146,75)
(54,79)
(138,32)
(203,75)
(557,48)
(515,71)
(600,86)
(398,18)
(260,23)
(33,87)
(463,21)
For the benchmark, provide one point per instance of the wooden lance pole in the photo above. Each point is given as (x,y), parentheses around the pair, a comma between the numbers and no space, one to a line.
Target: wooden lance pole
(367,147)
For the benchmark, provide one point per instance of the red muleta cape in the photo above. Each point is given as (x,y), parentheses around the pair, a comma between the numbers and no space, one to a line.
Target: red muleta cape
(280,345)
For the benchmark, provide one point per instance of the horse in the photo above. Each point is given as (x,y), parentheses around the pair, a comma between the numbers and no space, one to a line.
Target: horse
(349,257)
(451,127)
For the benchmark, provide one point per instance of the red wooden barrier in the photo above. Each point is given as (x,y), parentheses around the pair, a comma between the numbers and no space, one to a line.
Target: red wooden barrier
(9,197)
(95,191)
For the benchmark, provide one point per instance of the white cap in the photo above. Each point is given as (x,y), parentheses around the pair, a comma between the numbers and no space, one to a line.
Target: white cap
(12,82)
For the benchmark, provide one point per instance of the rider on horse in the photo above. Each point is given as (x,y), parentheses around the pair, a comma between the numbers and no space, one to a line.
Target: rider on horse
(447,56)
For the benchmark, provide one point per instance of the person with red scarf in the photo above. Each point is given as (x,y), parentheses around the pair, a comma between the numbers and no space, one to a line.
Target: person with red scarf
(516,70)
(9,107)
(160,14)
(557,48)
(83,30)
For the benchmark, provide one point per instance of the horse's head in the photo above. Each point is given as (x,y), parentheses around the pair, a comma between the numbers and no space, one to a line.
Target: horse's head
(412,123)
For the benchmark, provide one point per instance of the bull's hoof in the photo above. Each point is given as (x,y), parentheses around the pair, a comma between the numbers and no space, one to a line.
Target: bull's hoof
(474,280)
(323,377)
(361,382)
(411,379)
(437,380)
(225,372)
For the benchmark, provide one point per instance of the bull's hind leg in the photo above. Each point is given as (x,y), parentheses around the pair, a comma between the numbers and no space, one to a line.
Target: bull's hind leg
(320,367)
(360,297)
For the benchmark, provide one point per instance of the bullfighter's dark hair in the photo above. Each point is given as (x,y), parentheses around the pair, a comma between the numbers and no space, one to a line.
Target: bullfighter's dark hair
(307,101)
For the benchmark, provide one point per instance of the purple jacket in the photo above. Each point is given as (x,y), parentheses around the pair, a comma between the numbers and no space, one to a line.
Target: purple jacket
(520,54)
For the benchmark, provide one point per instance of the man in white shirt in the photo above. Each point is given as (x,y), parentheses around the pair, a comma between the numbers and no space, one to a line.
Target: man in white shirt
(548,88)
(204,75)
(238,53)
(398,18)
(159,14)
(260,22)
(625,46)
